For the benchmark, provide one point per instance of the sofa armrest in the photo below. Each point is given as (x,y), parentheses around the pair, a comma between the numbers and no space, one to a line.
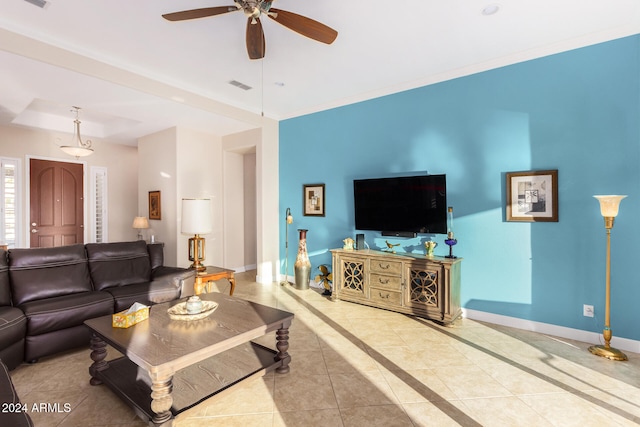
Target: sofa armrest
(183,278)
(15,415)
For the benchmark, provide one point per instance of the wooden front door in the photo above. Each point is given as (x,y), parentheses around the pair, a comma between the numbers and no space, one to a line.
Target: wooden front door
(57,204)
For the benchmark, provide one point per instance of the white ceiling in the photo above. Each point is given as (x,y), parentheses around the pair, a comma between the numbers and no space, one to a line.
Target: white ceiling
(134,73)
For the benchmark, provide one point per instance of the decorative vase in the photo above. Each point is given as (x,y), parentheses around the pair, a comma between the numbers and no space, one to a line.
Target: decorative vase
(430,246)
(302,266)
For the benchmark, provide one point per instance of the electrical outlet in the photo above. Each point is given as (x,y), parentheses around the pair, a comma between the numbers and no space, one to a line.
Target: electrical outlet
(587,310)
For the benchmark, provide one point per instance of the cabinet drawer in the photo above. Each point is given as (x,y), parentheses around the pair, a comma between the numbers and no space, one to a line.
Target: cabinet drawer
(385,296)
(386,282)
(386,267)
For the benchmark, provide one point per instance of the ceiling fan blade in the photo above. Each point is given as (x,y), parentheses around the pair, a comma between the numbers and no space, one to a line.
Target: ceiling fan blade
(198,13)
(255,39)
(303,25)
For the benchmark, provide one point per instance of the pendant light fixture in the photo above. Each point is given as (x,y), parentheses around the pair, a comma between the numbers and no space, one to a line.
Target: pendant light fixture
(80,148)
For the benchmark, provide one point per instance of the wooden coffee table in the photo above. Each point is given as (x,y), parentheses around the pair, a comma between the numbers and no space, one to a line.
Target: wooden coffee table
(172,365)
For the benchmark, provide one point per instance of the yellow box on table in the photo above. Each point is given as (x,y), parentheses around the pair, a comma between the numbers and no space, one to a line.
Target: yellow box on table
(134,314)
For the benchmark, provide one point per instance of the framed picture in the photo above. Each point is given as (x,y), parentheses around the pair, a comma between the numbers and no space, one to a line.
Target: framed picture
(313,200)
(155,207)
(532,196)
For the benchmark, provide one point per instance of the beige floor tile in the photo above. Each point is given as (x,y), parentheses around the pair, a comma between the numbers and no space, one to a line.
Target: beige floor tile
(315,418)
(303,393)
(376,416)
(354,365)
(621,405)
(249,420)
(417,386)
(504,412)
(101,407)
(566,409)
(348,360)
(471,382)
(362,389)
(519,381)
(255,396)
(441,414)
(307,362)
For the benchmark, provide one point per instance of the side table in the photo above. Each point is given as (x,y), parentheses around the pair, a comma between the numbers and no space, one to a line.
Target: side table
(211,274)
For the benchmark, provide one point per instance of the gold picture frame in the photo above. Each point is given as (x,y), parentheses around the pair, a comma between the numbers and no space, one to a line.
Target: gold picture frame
(532,196)
(313,200)
(155,205)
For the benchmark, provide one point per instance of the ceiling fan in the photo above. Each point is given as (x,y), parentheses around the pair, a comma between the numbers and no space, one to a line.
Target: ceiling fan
(254,9)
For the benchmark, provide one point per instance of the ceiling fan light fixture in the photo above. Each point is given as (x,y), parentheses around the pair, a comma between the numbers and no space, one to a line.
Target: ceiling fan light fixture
(491,9)
(254,34)
(80,149)
(76,151)
(40,3)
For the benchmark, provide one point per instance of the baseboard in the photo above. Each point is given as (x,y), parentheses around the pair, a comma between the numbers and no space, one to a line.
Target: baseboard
(245,268)
(549,329)
(292,279)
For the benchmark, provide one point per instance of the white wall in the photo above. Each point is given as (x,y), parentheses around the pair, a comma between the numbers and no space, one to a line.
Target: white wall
(250,217)
(199,172)
(241,235)
(122,168)
(268,226)
(234,210)
(157,172)
(202,165)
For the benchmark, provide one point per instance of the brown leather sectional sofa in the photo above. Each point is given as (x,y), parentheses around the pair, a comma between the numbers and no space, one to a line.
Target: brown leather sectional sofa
(47,293)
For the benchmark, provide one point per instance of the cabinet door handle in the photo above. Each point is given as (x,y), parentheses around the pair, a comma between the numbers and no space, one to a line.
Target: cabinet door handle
(384,267)
(384,282)
(383,296)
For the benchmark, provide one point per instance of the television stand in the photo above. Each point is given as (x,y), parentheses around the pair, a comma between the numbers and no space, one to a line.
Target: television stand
(407,283)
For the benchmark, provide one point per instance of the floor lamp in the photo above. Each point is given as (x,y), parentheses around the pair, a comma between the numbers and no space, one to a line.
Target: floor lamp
(288,219)
(609,210)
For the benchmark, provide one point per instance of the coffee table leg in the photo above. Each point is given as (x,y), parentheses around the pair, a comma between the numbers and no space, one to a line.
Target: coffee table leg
(282,344)
(98,354)
(161,399)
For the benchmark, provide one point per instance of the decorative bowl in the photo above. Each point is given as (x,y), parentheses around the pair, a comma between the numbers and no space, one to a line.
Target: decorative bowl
(179,311)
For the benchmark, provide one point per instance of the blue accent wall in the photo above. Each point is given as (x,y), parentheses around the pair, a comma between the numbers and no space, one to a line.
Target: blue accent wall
(577,112)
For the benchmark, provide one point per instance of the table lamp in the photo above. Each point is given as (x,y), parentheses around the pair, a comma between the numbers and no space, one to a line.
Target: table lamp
(196,220)
(140,223)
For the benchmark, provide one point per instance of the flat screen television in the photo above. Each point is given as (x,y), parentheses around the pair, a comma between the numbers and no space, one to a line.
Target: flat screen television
(401,206)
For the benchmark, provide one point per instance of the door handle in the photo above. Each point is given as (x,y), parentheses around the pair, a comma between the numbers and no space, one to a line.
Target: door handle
(33,224)
(34,230)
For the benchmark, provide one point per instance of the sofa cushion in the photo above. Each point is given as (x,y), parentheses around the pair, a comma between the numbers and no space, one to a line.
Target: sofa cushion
(5,287)
(118,264)
(38,273)
(147,293)
(56,313)
(13,325)
(156,255)
(13,328)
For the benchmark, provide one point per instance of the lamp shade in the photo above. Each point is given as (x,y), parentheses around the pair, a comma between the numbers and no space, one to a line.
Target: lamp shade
(196,216)
(77,151)
(609,205)
(140,222)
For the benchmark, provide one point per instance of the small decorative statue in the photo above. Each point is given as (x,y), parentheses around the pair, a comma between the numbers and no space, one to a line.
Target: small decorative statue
(430,246)
(390,247)
(348,244)
(325,278)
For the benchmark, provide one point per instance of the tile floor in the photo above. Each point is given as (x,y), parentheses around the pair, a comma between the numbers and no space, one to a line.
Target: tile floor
(357,366)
